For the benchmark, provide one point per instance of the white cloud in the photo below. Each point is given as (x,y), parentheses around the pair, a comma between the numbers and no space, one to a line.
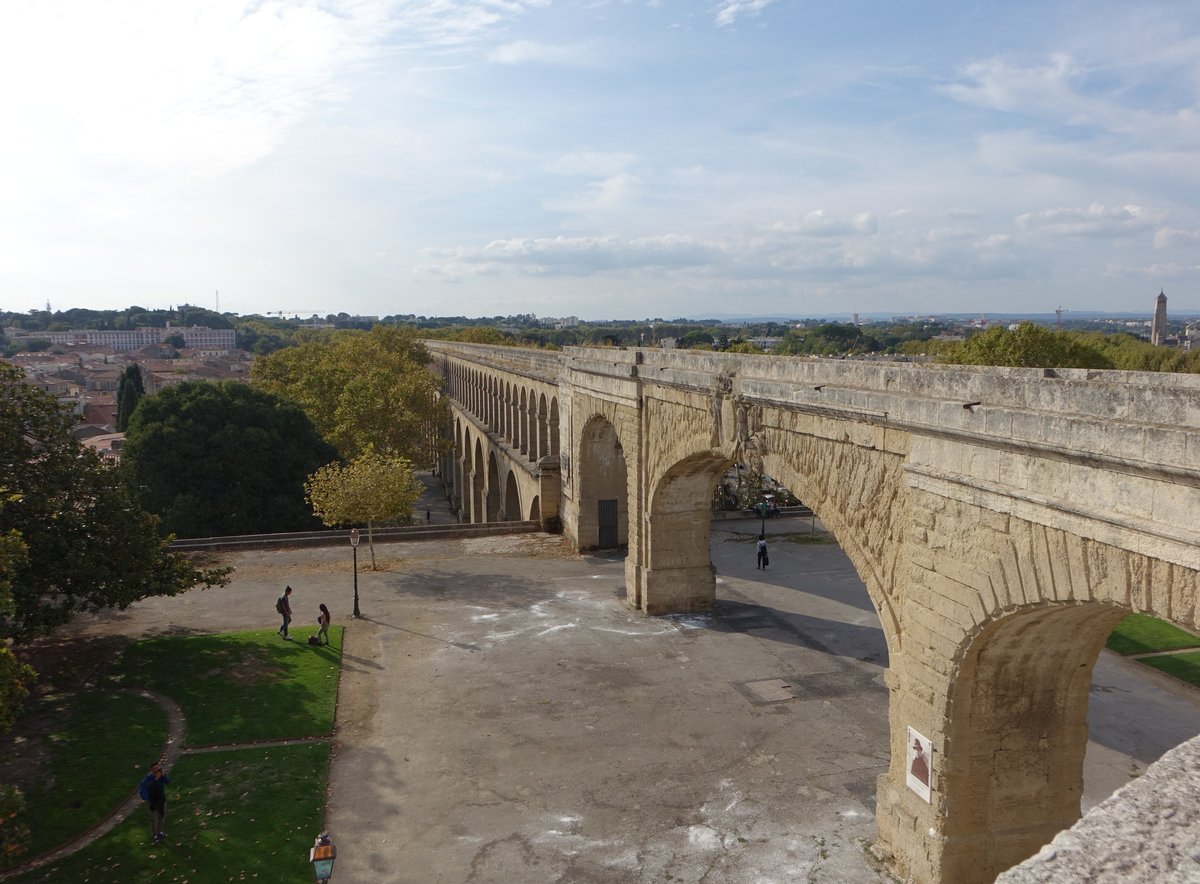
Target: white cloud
(575,55)
(562,255)
(592,163)
(729,11)
(606,195)
(822,223)
(1095,220)
(1169,238)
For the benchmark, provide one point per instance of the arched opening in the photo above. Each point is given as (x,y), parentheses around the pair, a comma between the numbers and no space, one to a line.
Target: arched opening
(512,500)
(680,574)
(1012,764)
(493,489)
(535,509)
(456,467)
(531,433)
(543,430)
(506,414)
(554,426)
(603,488)
(477,485)
(522,440)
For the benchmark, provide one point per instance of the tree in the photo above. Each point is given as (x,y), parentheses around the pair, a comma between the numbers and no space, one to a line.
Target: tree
(130,390)
(362,390)
(87,544)
(223,458)
(372,488)
(1029,345)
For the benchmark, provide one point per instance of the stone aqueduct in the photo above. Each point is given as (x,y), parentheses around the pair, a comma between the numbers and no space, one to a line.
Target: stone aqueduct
(1003,521)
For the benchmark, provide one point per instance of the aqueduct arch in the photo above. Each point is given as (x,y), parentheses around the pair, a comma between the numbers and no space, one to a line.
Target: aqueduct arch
(1002,520)
(603,521)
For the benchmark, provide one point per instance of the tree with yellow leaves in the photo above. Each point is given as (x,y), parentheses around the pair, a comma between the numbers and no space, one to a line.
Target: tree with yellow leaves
(371,489)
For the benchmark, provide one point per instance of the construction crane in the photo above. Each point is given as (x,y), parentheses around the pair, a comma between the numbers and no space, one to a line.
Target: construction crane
(1058,315)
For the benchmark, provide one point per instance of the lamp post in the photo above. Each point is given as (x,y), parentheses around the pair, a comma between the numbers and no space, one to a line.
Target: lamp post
(354,547)
(322,856)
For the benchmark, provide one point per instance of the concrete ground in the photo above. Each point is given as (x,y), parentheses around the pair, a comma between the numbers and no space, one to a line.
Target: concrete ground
(503,717)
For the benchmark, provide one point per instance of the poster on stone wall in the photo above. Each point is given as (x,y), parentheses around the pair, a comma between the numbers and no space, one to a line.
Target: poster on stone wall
(919,764)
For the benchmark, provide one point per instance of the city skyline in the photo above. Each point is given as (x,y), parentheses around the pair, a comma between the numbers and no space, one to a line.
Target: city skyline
(601,159)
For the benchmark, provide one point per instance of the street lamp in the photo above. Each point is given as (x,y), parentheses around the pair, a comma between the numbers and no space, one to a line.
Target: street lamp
(322,856)
(354,546)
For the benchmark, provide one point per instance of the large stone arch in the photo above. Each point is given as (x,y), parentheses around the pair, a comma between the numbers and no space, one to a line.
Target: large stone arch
(680,574)
(1011,761)
(543,428)
(493,489)
(477,486)
(512,499)
(456,478)
(1004,619)
(554,431)
(854,485)
(604,476)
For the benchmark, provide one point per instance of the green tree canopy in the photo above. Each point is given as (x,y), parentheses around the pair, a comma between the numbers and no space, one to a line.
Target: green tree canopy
(371,489)
(214,459)
(1029,345)
(85,543)
(361,390)
(130,390)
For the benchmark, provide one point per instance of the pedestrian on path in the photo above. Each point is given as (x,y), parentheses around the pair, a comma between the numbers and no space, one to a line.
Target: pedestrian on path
(428,516)
(283,605)
(763,560)
(153,790)
(324,619)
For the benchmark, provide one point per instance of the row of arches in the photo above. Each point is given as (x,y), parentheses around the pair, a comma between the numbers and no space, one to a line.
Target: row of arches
(521,416)
(482,486)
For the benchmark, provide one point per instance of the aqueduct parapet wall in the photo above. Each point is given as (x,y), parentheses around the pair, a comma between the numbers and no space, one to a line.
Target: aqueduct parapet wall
(1002,521)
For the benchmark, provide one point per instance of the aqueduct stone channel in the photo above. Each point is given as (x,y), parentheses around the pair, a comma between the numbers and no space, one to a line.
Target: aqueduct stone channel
(1003,521)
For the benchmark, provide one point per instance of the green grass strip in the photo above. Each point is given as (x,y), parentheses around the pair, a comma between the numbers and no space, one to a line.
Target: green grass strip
(244,815)
(1185,667)
(1140,634)
(98,746)
(242,686)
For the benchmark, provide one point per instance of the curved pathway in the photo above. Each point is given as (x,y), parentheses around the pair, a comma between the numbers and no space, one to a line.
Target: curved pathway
(176,732)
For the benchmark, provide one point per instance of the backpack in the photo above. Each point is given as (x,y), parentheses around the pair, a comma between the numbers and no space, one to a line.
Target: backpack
(279,604)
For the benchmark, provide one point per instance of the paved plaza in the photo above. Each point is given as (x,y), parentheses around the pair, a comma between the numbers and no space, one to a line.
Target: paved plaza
(503,717)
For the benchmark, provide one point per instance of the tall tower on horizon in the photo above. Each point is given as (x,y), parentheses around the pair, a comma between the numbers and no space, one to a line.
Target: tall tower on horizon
(1158,328)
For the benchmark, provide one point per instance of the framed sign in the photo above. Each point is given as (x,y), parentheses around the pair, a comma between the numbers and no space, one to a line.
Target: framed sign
(919,764)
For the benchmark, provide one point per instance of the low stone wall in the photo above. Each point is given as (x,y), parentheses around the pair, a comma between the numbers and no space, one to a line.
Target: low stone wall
(1147,832)
(341,537)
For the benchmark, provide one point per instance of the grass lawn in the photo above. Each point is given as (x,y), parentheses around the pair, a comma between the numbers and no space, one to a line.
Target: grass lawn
(1139,634)
(244,815)
(1185,667)
(241,686)
(81,755)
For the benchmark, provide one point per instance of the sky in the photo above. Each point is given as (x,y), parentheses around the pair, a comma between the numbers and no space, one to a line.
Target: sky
(620,159)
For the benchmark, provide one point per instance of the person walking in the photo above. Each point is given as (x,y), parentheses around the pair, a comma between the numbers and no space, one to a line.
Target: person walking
(153,789)
(763,560)
(324,621)
(284,606)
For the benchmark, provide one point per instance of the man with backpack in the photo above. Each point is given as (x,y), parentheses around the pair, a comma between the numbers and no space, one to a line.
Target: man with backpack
(284,606)
(153,789)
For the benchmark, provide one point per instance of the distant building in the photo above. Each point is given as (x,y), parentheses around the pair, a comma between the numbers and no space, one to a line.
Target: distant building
(197,336)
(1158,328)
